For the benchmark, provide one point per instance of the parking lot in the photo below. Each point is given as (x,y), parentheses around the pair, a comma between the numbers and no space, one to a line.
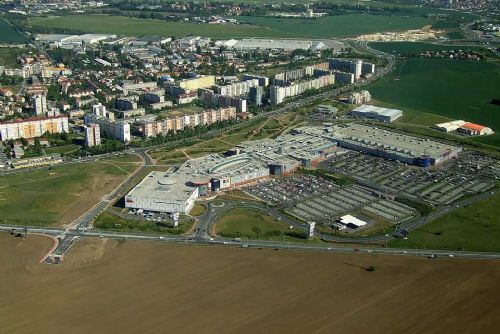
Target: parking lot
(312,198)
(471,173)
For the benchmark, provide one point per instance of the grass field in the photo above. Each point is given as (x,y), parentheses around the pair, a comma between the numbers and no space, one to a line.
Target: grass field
(252,224)
(62,149)
(339,26)
(8,57)
(110,222)
(9,34)
(60,195)
(425,88)
(330,26)
(473,228)
(198,210)
(139,27)
(417,47)
(146,287)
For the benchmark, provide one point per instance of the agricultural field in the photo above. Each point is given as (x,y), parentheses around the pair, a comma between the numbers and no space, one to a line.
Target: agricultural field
(58,195)
(248,290)
(338,26)
(403,48)
(9,34)
(139,27)
(326,27)
(434,90)
(248,223)
(473,228)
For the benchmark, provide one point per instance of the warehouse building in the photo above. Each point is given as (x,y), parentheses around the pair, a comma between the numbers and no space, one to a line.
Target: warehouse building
(395,146)
(376,113)
(449,126)
(472,129)
(465,128)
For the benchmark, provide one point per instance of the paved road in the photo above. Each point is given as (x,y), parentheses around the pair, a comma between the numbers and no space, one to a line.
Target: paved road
(265,244)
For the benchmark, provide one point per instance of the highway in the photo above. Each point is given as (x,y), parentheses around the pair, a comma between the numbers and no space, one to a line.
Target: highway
(260,244)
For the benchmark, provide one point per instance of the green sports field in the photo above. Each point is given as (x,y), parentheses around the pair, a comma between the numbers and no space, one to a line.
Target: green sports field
(433,90)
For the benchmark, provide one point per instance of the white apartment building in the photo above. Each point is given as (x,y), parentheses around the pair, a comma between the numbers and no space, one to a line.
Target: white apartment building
(33,127)
(39,104)
(92,135)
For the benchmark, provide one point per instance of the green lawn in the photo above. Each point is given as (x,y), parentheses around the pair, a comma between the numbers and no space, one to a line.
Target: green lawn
(138,27)
(433,90)
(198,210)
(474,228)
(110,222)
(58,195)
(129,158)
(62,149)
(9,34)
(339,26)
(253,224)
(8,57)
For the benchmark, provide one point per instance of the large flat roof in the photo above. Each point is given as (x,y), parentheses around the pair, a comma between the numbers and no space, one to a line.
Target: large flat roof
(163,186)
(389,141)
(367,108)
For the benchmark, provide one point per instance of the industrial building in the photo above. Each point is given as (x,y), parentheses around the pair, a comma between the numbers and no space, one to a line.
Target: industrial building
(280,44)
(463,127)
(367,111)
(395,146)
(472,129)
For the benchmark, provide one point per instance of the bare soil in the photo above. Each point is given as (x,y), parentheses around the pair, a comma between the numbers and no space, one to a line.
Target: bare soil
(107,286)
